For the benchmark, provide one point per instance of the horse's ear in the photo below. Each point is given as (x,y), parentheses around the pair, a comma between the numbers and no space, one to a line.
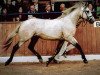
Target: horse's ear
(86,4)
(81,3)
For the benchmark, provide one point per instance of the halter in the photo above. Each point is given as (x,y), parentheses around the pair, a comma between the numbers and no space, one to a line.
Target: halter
(88,17)
(82,19)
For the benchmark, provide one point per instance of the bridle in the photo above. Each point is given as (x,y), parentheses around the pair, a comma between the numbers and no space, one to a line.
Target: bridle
(84,22)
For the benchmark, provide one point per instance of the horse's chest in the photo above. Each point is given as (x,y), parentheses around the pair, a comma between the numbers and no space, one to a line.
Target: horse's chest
(67,30)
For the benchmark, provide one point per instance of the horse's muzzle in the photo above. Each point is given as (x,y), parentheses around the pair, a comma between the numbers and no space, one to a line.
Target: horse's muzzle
(91,21)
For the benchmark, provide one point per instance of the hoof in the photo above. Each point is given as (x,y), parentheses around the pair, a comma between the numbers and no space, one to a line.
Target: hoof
(55,61)
(6,63)
(85,61)
(65,56)
(41,60)
(48,62)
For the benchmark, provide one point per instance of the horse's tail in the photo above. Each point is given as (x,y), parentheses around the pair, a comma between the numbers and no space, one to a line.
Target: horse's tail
(9,39)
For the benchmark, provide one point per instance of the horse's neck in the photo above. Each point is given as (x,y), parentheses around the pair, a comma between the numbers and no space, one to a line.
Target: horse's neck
(73,16)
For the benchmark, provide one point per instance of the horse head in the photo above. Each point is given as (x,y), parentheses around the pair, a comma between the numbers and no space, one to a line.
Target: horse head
(87,13)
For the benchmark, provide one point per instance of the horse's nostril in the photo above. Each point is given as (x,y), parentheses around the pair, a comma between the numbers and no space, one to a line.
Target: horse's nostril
(91,21)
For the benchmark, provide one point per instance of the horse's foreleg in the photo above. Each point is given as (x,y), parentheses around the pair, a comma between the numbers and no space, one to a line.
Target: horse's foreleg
(15,48)
(34,40)
(59,45)
(70,47)
(66,47)
(61,49)
(64,44)
(74,42)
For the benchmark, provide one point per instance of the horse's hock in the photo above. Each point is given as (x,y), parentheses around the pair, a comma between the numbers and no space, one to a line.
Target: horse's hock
(87,36)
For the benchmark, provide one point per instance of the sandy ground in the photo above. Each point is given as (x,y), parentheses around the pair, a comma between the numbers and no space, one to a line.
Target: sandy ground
(63,68)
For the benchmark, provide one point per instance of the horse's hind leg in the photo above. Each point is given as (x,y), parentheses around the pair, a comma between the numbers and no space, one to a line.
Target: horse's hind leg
(59,45)
(15,48)
(34,40)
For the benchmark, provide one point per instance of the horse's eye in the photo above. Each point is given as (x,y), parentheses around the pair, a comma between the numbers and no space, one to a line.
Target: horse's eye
(87,11)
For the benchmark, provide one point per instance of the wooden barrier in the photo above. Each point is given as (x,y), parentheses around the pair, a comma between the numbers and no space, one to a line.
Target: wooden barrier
(87,36)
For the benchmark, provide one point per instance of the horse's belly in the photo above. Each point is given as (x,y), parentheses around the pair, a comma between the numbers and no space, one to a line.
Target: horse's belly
(50,35)
(43,36)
